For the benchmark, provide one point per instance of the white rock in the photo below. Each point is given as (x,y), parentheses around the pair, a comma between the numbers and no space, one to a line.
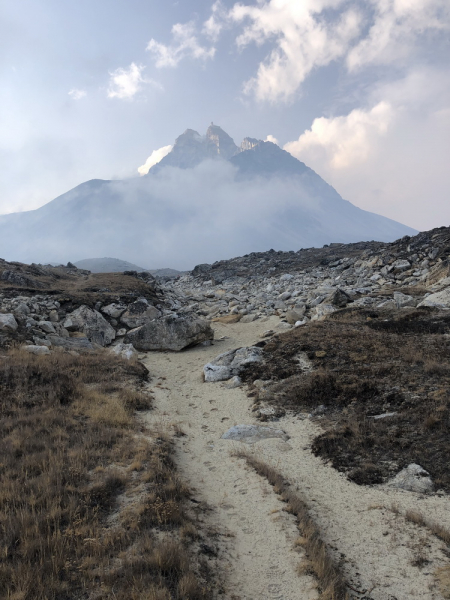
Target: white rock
(38,350)
(126,351)
(8,323)
(439,299)
(413,479)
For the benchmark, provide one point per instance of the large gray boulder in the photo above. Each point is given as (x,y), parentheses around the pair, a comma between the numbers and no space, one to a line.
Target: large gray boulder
(139,313)
(92,324)
(231,363)
(413,479)
(8,323)
(76,343)
(170,333)
(439,299)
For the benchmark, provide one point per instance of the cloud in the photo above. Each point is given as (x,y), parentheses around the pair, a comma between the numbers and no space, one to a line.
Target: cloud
(343,141)
(395,28)
(391,158)
(155,157)
(310,34)
(77,94)
(271,138)
(126,83)
(185,44)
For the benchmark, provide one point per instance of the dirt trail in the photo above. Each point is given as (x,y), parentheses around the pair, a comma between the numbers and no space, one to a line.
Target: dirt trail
(257,555)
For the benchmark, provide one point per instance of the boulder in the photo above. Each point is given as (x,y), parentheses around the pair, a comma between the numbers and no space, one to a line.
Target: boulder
(114,310)
(8,323)
(126,351)
(248,318)
(413,479)
(231,363)
(403,300)
(139,313)
(47,327)
(38,350)
(339,299)
(92,324)
(322,311)
(251,434)
(71,343)
(292,316)
(171,332)
(439,299)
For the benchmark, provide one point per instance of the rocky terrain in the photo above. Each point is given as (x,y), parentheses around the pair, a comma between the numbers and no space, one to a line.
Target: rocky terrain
(330,365)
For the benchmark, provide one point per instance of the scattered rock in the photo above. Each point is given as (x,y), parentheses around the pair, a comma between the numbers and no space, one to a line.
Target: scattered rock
(250,434)
(92,324)
(8,323)
(139,313)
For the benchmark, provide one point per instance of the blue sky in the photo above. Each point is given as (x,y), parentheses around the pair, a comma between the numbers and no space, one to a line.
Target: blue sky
(360,91)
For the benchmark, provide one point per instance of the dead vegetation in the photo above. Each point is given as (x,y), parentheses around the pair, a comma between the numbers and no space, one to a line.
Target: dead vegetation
(89,507)
(382,380)
(319,563)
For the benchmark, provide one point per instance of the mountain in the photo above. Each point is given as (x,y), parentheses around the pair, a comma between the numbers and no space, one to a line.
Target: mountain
(107,265)
(208,199)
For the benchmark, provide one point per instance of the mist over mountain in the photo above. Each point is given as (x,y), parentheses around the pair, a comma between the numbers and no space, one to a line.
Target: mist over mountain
(208,199)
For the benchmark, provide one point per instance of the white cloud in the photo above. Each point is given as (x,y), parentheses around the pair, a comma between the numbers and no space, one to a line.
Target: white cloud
(126,83)
(77,94)
(395,27)
(213,27)
(155,157)
(271,138)
(185,44)
(343,141)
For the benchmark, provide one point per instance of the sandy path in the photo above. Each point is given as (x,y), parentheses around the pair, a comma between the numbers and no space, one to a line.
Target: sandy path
(257,552)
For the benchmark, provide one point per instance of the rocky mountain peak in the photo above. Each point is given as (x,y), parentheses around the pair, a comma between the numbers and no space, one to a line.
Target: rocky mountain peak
(220,143)
(248,143)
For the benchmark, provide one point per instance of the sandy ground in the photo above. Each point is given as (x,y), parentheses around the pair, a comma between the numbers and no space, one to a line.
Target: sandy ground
(257,554)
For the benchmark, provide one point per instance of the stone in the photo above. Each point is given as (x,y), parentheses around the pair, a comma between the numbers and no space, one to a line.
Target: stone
(231,363)
(114,310)
(413,479)
(38,350)
(250,434)
(172,332)
(8,323)
(248,318)
(292,316)
(322,311)
(339,299)
(47,326)
(71,343)
(227,319)
(234,382)
(139,313)
(22,309)
(401,265)
(439,299)
(53,316)
(126,351)
(403,300)
(92,324)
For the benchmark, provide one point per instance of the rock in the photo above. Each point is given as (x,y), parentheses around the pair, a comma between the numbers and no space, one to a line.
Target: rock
(170,333)
(92,324)
(53,316)
(439,299)
(114,310)
(15,278)
(250,434)
(283,326)
(292,316)
(339,299)
(139,313)
(403,300)
(22,309)
(68,343)
(227,319)
(234,382)
(38,350)
(8,323)
(413,479)
(47,326)
(284,296)
(121,332)
(401,265)
(248,318)
(322,311)
(126,351)
(231,363)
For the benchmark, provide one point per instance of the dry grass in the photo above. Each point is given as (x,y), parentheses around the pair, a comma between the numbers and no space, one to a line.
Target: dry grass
(330,580)
(443,577)
(371,363)
(441,532)
(89,508)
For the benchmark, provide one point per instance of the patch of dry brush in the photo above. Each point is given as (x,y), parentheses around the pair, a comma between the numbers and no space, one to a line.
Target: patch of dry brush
(368,363)
(89,507)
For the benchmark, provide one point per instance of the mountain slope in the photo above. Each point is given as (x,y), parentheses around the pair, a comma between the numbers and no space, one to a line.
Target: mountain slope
(206,200)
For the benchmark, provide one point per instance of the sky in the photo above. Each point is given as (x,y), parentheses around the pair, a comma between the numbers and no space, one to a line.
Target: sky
(358,90)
